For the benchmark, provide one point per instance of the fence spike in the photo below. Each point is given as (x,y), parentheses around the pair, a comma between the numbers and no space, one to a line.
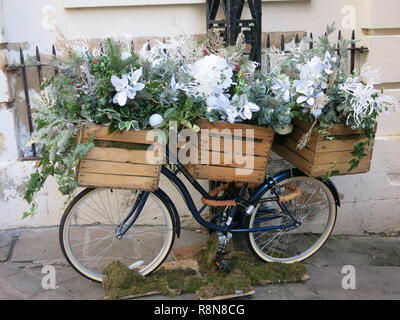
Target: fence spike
(312,41)
(148,45)
(338,43)
(27,101)
(297,40)
(164,42)
(283,42)
(53,50)
(353,52)
(39,67)
(268,41)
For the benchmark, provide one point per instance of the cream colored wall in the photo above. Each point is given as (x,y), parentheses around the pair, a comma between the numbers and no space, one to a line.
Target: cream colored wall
(370,201)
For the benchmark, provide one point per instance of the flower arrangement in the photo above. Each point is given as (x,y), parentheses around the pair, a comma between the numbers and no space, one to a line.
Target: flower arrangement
(183,80)
(313,86)
(180,80)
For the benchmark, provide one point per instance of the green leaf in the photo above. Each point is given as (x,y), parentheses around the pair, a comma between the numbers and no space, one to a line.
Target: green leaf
(169,113)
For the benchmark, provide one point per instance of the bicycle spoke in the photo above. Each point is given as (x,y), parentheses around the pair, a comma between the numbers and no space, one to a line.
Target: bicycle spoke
(89,234)
(314,210)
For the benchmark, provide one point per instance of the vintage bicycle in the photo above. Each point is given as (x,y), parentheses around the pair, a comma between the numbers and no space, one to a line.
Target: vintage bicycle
(286,219)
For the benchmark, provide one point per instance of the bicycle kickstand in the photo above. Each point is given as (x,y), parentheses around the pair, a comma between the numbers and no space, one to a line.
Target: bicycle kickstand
(220,260)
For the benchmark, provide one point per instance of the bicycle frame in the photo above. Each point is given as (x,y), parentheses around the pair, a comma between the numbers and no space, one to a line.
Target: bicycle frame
(197,213)
(181,187)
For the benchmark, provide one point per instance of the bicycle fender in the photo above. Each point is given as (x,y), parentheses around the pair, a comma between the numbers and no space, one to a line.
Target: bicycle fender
(168,201)
(296,172)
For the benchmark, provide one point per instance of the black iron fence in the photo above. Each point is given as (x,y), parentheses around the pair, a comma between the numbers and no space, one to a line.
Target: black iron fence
(21,72)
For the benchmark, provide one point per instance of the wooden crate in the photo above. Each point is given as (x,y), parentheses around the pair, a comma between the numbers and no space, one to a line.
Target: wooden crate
(117,167)
(219,162)
(320,155)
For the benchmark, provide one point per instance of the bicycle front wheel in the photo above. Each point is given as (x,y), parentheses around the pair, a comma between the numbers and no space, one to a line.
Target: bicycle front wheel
(315,209)
(89,227)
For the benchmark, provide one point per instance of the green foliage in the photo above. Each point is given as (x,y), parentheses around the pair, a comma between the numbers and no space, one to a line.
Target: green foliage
(246,271)
(185,112)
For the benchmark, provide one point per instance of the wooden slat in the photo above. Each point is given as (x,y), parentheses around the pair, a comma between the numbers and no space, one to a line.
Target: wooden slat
(116,181)
(298,133)
(259,132)
(336,157)
(293,158)
(321,170)
(227,174)
(101,133)
(336,130)
(292,144)
(244,147)
(337,145)
(217,158)
(117,154)
(121,168)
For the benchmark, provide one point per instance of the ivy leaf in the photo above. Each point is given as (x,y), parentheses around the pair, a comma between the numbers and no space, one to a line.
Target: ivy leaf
(353,164)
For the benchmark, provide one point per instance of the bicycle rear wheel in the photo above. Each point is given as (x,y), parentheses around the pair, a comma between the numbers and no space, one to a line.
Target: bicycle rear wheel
(315,209)
(88,232)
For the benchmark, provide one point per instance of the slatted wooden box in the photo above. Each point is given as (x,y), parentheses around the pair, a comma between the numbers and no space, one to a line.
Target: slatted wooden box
(320,155)
(227,152)
(118,160)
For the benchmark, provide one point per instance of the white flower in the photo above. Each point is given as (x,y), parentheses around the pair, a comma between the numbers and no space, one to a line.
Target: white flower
(247,108)
(222,104)
(174,85)
(231,114)
(212,76)
(125,55)
(307,92)
(317,70)
(282,88)
(126,87)
(240,108)
(134,78)
(219,102)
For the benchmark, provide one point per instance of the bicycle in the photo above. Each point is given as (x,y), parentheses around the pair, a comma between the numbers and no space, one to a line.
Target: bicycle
(286,219)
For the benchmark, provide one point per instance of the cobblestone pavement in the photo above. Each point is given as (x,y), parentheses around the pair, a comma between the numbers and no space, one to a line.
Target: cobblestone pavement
(376,261)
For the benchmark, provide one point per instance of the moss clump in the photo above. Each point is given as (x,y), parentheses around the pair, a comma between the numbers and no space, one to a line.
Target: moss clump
(246,271)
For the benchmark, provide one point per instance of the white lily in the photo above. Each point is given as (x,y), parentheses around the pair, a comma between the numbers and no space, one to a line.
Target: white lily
(126,87)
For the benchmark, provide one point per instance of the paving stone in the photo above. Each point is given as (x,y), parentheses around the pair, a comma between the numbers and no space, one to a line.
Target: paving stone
(6,240)
(358,251)
(8,293)
(190,238)
(38,246)
(8,269)
(56,294)
(376,261)
(289,291)
(84,288)
(26,283)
